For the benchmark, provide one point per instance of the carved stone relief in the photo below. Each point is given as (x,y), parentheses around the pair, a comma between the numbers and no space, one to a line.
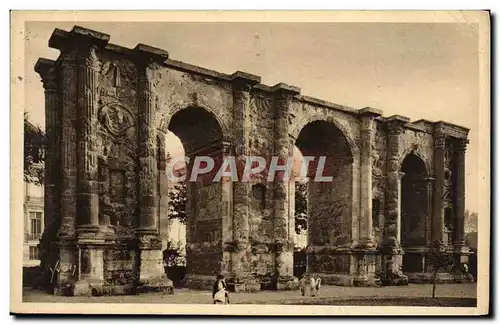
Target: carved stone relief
(116,118)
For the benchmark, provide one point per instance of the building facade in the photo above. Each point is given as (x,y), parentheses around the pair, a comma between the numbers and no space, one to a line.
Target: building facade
(33,223)
(397,185)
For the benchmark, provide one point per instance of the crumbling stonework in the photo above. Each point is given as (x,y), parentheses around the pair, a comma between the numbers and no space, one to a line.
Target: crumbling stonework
(108,109)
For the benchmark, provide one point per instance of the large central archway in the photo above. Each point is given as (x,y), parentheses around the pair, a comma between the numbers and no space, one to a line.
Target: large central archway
(201,135)
(329,200)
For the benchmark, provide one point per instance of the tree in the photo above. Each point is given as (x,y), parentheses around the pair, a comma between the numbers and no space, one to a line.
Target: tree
(174,254)
(34,146)
(440,259)
(177,202)
(300,206)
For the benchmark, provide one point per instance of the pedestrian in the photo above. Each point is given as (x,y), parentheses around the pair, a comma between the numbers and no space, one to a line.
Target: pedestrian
(219,292)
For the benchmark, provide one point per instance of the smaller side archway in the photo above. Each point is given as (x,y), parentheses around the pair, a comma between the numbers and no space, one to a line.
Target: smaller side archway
(414,212)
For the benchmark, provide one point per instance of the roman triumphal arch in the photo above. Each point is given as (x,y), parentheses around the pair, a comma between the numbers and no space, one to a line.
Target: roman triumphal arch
(396,186)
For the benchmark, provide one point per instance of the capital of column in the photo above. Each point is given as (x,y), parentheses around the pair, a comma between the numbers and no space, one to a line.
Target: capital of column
(284,90)
(243,81)
(60,38)
(46,69)
(148,59)
(227,148)
(368,114)
(462,146)
(439,139)
(283,94)
(395,124)
(146,55)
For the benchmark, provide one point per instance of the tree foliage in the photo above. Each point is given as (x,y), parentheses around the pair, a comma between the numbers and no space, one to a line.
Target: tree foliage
(34,146)
(300,207)
(177,202)
(174,254)
(440,259)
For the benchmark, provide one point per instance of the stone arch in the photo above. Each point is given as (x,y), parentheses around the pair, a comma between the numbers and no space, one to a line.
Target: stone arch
(202,133)
(417,151)
(177,107)
(331,204)
(352,141)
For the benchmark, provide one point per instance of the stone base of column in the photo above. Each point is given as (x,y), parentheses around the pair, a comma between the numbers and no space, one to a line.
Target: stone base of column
(364,259)
(91,243)
(152,274)
(152,277)
(49,256)
(64,273)
(392,262)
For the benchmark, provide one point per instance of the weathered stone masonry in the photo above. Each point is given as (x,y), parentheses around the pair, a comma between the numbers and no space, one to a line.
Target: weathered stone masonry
(107,111)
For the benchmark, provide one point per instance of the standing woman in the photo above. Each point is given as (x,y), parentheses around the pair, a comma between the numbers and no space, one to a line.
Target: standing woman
(219,293)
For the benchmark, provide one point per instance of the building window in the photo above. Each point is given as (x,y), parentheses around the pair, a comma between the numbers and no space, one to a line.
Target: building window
(35,225)
(34,253)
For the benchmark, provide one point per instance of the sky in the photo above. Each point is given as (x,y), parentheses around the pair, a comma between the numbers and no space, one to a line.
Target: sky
(419,70)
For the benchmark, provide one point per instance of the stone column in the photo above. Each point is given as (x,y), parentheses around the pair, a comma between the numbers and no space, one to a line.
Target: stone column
(460,194)
(242,83)
(150,256)
(428,215)
(365,250)
(400,178)
(68,146)
(392,251)
(87,195)
(163,221)
(438,207)
(90,240)
(284,249)
(68,253)
(47,70)
(227,220)
(365,220)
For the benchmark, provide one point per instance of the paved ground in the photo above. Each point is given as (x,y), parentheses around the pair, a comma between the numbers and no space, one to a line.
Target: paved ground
(328,294)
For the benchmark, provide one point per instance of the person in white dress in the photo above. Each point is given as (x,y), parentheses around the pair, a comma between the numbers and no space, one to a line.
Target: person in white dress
(219,292)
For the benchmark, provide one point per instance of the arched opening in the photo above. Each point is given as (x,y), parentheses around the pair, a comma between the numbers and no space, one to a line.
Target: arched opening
(413,212)
(195,132)
(329,194)
(173,214)
(299,197)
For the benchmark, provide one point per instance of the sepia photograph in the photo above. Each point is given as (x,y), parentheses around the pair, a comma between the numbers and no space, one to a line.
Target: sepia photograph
(250,163)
